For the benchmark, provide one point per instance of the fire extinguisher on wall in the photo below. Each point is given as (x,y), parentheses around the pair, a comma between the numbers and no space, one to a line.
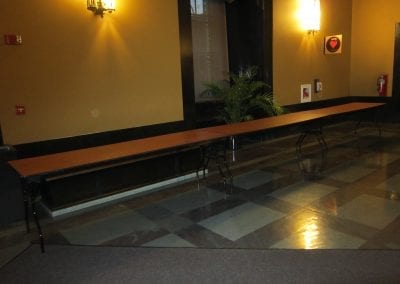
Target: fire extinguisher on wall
(382,85)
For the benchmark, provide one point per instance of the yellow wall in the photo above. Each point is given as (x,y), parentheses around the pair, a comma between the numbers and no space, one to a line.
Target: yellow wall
(372,44)
(77,73)
(298,57)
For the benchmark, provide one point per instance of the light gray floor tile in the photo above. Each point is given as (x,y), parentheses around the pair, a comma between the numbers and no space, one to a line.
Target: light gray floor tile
(304,193)
(192,200)
(103,230)
(349,173)
(241,220)
(371,211)
(314,237)
(170,240)
(391,184)
(253,179)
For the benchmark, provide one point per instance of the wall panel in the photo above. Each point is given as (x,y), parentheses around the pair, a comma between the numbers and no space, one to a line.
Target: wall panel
(77,73)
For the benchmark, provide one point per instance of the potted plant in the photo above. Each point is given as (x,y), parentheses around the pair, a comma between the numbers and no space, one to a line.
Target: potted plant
(243,97)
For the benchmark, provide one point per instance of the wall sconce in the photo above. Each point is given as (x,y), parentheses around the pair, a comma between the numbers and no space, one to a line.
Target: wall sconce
(310,15)
(98,7)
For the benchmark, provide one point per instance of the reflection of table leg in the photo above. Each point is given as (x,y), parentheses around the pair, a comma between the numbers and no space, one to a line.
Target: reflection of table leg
(374,121)
(218,155)
(31,192)
(25,195)
(317,133)
(222,163)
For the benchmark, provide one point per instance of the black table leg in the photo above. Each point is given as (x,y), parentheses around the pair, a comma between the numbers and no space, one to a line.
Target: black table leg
(213,152)
(322,144)
(374,119)
(35,193)
(25,195)
(31,193)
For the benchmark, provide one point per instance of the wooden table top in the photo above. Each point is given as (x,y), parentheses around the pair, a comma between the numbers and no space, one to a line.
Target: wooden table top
(52,163)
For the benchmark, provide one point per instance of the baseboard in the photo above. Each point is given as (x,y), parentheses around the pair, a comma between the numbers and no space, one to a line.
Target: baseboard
(118,197)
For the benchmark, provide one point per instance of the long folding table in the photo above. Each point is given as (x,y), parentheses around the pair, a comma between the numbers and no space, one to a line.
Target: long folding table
(33,171)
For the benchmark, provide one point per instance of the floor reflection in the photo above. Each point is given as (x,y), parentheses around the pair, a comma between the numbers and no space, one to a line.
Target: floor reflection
(311,233)
(354,202)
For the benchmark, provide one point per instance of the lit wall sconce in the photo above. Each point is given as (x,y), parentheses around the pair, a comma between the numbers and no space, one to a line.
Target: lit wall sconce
(100,6)
(310,15)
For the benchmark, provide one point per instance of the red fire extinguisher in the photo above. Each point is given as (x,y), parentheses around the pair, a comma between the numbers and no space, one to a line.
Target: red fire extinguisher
(382,85)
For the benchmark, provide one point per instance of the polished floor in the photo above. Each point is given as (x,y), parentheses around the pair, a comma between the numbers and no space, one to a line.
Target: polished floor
(348,199)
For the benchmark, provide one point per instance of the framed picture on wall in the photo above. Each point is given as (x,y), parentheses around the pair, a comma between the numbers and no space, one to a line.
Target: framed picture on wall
(333,44)
(305,93)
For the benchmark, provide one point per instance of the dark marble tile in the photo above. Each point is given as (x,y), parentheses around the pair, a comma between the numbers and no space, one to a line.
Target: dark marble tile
(266,236)
(137,238)
(376,244)
(331,202)
(212,209)
(204,238)
(57,239)
(174,223)
(258,193)
(386,238)
(277,204)
(155,212)
(350,227)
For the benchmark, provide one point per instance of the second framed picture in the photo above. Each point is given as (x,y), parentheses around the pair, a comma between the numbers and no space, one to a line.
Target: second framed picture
(305,93)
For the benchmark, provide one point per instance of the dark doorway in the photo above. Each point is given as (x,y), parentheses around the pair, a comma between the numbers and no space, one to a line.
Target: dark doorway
(396,71)
(1,137)
(249,43)
(249,29)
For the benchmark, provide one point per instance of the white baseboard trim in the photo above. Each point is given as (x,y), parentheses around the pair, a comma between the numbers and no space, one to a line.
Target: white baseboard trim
(118,196)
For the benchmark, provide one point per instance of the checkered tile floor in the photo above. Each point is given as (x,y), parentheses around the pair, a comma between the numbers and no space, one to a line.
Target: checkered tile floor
(352,203)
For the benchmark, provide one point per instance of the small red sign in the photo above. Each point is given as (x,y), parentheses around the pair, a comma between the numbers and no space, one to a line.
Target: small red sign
(12,39)
(333,44)
(20,109)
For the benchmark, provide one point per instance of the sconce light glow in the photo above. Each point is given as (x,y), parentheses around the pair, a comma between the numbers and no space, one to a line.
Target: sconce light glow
(310,15)
(100,6)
